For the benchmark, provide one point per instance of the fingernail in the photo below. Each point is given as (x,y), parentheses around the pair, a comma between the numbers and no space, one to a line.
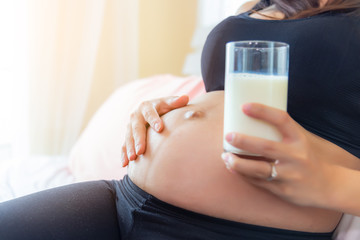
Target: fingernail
(247,107)
(157,126)
(137,148)
(230,137)
(130,155)
(228,160)
(174,99)
(122,159)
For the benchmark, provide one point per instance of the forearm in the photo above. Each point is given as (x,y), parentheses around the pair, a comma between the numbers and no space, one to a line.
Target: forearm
(334,154)
(345,159)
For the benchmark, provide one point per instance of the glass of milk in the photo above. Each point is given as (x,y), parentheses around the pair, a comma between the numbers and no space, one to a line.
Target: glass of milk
(256,71)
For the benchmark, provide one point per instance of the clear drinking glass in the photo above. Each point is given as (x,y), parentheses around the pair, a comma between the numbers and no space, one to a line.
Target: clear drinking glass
(256,71)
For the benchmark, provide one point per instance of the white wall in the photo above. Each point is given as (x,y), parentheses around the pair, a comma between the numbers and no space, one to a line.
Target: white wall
(210,13)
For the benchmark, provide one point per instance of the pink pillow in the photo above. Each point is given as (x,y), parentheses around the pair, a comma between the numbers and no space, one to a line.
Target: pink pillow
(96,154)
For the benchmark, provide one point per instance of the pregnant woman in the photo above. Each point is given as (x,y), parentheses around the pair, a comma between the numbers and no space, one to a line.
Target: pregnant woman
(180,188)
(196,178)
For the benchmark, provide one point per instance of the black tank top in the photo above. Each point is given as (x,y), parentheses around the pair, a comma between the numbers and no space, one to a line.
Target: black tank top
(324,71)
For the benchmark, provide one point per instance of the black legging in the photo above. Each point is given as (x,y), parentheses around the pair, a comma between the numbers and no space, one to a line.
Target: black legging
(121,210)
(77,211)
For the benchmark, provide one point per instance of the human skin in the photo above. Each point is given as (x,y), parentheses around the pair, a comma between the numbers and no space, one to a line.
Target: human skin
(183,166)
(311,171)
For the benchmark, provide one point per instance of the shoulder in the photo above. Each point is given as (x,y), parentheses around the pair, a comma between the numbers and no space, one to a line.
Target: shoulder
(247,6)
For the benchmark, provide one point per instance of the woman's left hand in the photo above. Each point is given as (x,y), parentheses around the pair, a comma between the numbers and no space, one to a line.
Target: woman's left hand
(306,166)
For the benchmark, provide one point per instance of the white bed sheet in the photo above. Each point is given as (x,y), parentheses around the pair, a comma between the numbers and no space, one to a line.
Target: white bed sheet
(32,175)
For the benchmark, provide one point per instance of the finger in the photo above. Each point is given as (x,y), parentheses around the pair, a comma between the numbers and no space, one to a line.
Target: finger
(246,167)
(149,114)
(139,135)
(124,159)
(263,147)
(152,110)
(256,172)
(171,103)
(280,119)
(129,144)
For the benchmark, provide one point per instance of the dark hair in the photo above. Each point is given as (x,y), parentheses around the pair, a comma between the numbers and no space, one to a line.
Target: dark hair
(293,9)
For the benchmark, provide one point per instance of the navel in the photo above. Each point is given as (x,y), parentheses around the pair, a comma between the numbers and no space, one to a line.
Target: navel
(191,114)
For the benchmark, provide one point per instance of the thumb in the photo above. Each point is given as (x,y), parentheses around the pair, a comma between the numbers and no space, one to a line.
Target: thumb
(173,103)
(179,101)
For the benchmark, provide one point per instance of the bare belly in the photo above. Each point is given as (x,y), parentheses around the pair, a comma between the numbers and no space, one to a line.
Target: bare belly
(182,166)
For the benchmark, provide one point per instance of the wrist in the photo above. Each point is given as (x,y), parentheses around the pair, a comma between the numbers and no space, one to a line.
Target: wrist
(343,190)
(334,197)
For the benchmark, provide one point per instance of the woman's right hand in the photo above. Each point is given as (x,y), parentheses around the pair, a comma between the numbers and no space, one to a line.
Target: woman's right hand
(147,114)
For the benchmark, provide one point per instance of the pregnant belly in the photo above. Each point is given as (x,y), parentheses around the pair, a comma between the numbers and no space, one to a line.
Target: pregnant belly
(182,166)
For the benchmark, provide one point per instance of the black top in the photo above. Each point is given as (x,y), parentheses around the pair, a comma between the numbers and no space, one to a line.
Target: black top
(324,70)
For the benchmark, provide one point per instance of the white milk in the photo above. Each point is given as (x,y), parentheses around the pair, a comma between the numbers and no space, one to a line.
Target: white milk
(243,88)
